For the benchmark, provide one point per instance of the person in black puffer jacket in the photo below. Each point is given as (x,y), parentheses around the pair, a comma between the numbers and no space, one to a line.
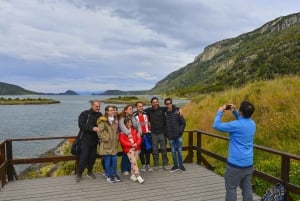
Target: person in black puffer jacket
(87,121)
(175,124)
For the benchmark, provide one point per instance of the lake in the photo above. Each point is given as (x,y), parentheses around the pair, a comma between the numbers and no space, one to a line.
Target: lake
(25,121)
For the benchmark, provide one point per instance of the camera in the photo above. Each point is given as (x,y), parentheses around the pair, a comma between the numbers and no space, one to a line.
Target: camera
(228,107)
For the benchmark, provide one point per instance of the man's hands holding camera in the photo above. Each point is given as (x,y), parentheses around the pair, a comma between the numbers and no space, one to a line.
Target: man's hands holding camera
(230,107)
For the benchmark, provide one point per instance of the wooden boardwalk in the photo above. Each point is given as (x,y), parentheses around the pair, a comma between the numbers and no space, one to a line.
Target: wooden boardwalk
(196,183)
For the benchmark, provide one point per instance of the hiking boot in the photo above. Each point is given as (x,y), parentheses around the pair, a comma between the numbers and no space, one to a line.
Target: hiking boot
(140,179)
(149,168)
(126,173)
(155,168)
(174,168)
(91,175)
(143,169)
(78,177)
(182,168)
(133,177)
(117,178)
(110,180)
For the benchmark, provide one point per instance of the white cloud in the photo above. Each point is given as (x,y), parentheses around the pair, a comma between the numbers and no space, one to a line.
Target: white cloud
(87,44)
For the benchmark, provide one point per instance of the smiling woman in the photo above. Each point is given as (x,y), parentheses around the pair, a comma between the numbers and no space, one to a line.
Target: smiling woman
(27,101)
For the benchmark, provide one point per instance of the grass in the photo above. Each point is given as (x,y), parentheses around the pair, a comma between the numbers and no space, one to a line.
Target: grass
(26,101)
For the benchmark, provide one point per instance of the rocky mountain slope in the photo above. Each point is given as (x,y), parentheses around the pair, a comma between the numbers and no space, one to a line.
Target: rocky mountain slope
(265,53)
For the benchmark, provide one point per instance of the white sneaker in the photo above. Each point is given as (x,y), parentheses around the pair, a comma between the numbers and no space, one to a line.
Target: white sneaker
(149,168)
(133,177)
(140,179)
(126,173)
(143,169)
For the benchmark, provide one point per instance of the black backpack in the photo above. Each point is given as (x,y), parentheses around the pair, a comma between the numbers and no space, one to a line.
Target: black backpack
(276,193)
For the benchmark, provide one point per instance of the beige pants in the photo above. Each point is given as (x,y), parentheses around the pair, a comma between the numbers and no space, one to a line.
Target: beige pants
(133,156)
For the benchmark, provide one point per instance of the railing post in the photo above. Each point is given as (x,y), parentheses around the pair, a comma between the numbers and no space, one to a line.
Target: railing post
(9,157)
(285,171)
(199,142)
(189,157)
(2,160)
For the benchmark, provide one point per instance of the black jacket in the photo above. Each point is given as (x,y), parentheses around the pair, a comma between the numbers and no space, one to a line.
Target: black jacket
(175,123)
(157,119)
(86,121)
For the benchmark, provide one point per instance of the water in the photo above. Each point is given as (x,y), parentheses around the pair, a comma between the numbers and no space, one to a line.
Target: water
(25,121)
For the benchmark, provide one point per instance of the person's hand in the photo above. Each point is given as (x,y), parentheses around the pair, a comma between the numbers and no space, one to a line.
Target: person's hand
(96,129)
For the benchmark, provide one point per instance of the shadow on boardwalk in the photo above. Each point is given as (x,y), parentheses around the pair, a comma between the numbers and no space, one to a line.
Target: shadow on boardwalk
(197,183)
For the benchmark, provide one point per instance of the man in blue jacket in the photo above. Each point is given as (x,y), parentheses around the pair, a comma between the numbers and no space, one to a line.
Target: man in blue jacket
(239,167)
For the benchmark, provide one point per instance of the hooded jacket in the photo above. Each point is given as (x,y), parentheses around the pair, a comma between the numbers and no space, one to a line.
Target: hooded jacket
(175,123)
(108,135)
(126,144)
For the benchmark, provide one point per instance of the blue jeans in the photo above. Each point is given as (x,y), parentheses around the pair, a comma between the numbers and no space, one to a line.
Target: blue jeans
(241,177)
(125,163)
(176,149)
(110,163)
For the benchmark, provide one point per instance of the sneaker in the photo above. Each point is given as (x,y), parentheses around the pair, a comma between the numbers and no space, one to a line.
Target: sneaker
(133,177)
(174,168)
(110,179)
(78,178)
(143,169)
(126,173)
(140,179)
(182,168)
(155,168)
(116,178)
(104,175)
(165,167)
(91,175)
(149,168)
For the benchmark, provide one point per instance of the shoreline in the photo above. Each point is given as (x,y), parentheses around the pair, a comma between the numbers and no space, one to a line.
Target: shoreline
(35,170)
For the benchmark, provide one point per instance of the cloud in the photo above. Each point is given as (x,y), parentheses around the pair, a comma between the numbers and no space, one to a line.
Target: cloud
(55,45)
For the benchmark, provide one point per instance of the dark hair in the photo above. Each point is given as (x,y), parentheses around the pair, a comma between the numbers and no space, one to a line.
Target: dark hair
(154,98)
(168,99)
(138,103)
(247,109)
(126,120)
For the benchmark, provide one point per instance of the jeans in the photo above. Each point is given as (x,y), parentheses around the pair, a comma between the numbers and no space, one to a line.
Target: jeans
(176,149)
(159,138)
(125,163)
(241,177)
(110,162)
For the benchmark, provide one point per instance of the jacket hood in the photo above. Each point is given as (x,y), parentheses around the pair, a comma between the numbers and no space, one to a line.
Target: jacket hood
(101,119)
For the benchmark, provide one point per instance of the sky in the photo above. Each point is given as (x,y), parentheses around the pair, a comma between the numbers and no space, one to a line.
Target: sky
(95,45)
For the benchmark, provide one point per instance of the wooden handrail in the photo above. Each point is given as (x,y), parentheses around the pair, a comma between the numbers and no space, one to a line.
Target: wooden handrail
(7,162)
(285,161)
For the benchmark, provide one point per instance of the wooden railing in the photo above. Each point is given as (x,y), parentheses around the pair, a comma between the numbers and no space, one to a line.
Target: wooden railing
(193,146)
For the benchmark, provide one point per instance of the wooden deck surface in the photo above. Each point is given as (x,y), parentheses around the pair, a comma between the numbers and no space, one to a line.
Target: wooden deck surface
(196,183)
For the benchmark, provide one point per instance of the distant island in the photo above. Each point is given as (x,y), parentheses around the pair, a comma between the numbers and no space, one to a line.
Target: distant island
(27,101)
(119,92)
(126,100)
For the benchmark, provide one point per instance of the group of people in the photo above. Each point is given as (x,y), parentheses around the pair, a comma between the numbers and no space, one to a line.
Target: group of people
(147,129)
(140,133)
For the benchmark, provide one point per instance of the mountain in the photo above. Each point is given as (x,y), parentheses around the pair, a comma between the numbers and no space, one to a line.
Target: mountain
(10,89)
(119,92)
(265,53)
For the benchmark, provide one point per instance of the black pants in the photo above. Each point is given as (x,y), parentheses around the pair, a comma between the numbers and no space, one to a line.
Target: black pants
(88,155)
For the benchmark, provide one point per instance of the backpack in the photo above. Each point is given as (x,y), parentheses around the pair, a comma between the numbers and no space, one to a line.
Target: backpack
(75,149)
(275,193)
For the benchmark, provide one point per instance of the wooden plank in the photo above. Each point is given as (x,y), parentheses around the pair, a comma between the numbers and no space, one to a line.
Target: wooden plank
(197,183)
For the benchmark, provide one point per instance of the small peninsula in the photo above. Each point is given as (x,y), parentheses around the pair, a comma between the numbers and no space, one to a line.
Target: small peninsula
(27,101)
(126,100)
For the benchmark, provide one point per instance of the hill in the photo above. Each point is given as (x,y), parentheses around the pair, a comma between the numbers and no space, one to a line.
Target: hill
(265,53)
(10,89)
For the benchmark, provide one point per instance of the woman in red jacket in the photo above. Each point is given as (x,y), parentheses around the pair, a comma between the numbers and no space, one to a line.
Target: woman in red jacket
(131,146)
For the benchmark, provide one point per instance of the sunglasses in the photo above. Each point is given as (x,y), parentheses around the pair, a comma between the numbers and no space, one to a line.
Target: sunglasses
(168,103)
